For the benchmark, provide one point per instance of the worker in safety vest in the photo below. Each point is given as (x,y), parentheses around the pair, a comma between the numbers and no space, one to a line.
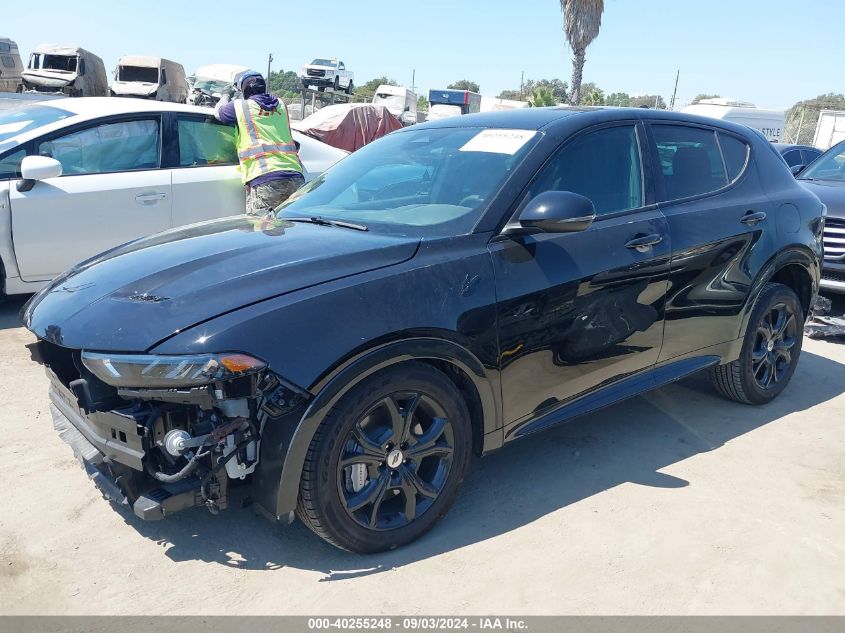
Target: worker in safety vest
(269,162)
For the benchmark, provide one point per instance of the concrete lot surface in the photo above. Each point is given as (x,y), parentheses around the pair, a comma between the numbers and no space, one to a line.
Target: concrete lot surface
(673,503)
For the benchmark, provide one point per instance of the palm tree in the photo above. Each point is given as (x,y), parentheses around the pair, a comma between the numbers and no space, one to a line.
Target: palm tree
(581,24)
(541,97)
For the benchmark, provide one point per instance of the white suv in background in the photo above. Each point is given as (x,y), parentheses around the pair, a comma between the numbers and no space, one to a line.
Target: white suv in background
(80,176)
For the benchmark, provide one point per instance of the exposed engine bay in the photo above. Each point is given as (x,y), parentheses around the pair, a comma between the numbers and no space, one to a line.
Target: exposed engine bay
(164,449)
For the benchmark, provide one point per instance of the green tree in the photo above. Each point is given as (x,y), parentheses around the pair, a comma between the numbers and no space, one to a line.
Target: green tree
(581,24)
(541,97)
(802,118)
(366,91)
(699,97)
(648,101)
(464,84)
(620,99)
(284,83)
(422,104)
(558,88)
(515,95)
(593,97)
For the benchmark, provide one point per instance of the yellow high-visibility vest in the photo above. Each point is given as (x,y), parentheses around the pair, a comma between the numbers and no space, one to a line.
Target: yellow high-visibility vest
(265,142)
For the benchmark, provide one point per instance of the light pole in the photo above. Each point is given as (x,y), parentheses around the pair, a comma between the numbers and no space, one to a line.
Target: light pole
(269,61)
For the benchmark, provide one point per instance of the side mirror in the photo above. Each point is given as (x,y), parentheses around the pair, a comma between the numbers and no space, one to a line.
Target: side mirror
(557,212)
(796,169)
(34,168)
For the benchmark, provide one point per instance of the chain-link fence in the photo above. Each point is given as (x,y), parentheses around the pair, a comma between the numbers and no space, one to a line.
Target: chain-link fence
(803,118)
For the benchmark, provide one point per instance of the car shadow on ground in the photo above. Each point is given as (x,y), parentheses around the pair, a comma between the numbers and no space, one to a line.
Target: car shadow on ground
(629,442)
(10,307)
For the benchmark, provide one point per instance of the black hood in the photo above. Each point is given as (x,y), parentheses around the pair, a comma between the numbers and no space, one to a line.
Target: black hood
(134,296)
(831,193)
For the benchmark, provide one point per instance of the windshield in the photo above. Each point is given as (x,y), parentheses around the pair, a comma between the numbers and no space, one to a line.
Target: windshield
(209,85)
(322,62)
(14,122)
(828,166)
(61,63)
(144,74)
(425,182)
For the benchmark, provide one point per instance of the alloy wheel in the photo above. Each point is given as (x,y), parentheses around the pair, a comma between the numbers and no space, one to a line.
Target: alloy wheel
(775,339)
(395,461)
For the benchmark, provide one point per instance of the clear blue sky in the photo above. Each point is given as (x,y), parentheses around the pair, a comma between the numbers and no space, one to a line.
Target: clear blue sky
(736,48)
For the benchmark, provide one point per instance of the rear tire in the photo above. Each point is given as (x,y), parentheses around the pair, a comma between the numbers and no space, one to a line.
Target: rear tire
(404,438)
(349,88)
(770,349)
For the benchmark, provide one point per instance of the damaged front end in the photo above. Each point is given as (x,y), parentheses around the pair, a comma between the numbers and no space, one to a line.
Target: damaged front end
(166,433)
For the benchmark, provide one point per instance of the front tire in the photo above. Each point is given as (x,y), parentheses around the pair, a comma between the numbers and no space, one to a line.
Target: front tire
(770,349)
(387,462)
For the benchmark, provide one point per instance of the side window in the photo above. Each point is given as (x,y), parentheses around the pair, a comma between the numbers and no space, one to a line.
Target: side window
(735,153)
(10,164)
(603,165)
(163,77)
(793,157)
(690,161)
(205,142)
(8,61)
(110,147)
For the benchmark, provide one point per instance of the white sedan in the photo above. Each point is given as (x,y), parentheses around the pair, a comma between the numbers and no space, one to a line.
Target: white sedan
(79,176)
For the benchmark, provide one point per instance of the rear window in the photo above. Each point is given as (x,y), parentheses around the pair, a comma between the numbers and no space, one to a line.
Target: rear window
(138,73)
(8,61)
(690,161)
(793,157)
(735,153)
(20,120)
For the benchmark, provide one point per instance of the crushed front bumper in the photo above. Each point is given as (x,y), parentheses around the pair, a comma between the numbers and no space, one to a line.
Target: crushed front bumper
(116,467)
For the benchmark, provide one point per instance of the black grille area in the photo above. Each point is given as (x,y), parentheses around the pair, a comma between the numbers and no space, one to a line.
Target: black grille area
(833,275)
(834,239)
(315,72)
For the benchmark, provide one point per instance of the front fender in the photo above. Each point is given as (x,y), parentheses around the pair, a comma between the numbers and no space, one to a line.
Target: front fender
(292,442)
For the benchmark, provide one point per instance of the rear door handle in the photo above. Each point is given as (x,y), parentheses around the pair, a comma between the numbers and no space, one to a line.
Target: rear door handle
(753,217)
(150,198)
(644,242)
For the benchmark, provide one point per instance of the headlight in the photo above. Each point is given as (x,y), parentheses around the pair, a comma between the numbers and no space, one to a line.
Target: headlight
(150,370)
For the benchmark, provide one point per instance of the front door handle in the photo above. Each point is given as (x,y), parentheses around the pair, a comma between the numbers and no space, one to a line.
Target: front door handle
(644,242)
(150,198)
(753,217)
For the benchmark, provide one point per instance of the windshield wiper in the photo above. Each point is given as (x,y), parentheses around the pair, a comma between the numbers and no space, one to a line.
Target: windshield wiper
(321,221)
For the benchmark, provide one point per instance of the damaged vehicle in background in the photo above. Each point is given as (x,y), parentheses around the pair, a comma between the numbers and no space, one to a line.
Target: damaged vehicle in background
(80,176)
(209,83)
(443,291)
(68,70)
(150,78)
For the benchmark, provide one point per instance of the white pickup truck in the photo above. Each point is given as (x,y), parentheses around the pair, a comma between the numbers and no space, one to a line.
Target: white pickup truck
(327,73)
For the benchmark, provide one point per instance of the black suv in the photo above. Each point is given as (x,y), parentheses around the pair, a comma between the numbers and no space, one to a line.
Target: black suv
(443,291)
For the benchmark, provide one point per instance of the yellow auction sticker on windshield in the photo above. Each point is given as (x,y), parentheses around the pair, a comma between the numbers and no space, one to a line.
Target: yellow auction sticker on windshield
(498,141)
